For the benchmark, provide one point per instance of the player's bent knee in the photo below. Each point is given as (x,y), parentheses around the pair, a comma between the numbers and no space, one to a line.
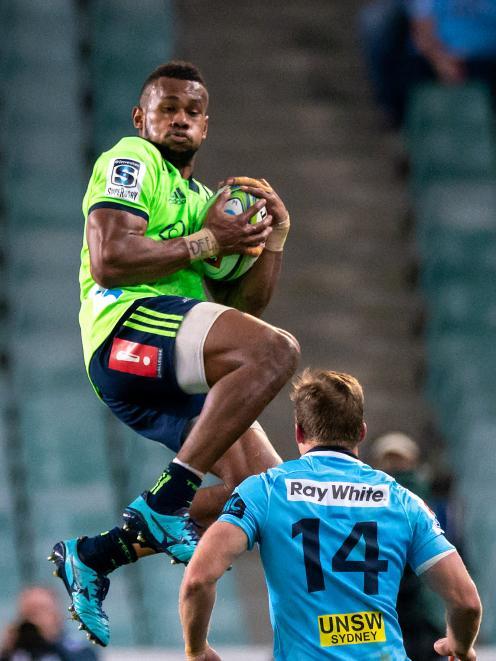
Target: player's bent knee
(274,358)
(238,340)
(282,354)
(292,340)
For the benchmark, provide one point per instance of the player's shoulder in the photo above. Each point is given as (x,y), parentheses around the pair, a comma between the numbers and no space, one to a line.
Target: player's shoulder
(265,481)
(277,476)
(413,501)
(379,476)
(133,146)
(398,495)
(285,469)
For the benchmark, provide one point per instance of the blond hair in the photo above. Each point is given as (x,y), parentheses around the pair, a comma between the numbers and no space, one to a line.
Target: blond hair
(328,406)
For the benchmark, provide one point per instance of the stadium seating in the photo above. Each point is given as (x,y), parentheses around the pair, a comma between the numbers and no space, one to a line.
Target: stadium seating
(450,133)
(432,106)
(9,574)
(453,186)
(111,23)
(41,113)
(42,182)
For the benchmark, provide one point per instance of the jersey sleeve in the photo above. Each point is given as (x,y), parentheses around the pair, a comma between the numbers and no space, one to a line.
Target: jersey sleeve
(247,507)
(428,543)
(126,177)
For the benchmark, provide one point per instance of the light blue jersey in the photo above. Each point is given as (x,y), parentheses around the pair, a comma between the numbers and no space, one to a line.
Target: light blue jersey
(334,537)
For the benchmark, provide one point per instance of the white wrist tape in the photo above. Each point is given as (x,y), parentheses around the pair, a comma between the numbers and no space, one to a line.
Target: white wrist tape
(202,245)
(277,238)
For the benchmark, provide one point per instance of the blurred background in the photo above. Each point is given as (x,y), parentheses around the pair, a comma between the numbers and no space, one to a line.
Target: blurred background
(384,153)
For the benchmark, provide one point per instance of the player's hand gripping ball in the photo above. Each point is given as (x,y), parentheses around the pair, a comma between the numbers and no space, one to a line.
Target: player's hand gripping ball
(230,267)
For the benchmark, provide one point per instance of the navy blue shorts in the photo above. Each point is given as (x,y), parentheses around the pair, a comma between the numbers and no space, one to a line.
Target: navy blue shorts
(134,374)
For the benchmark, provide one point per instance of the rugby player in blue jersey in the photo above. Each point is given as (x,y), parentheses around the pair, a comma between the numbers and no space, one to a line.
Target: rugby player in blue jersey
(335,536)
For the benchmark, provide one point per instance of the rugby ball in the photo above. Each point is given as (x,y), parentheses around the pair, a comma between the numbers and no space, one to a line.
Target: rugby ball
(231,267)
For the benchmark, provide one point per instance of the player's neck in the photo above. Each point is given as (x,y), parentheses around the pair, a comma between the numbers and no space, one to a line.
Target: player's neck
(182,161)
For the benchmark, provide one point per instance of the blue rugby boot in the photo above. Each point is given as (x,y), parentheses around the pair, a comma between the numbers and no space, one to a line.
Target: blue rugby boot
(175,534)
(87,590)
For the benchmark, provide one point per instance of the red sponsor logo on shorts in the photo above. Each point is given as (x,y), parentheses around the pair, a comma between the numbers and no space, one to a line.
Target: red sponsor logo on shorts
(135,358)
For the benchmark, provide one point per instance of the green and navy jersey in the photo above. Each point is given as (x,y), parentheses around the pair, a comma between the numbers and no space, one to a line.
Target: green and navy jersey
(133,176)
(334,538)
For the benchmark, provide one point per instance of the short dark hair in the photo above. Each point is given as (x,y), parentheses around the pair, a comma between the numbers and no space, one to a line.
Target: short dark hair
(174,69)
(329,406)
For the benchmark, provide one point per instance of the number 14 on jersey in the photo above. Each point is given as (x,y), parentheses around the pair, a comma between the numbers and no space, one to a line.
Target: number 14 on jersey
(371,566)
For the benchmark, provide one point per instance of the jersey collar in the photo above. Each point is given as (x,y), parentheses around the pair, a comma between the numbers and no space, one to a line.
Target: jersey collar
(336,451)
(193,185)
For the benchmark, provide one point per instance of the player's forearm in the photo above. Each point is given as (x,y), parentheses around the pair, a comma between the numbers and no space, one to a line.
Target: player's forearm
(463,624)
(450,579)
(254,291)
(196,602)
(221,544)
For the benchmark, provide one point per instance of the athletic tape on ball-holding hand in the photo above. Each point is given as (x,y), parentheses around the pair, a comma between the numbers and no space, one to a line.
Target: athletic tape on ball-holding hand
(253,183)
(277,238)
(202,245)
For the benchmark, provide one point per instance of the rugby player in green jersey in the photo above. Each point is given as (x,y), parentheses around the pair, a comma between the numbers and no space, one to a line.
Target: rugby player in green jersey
(187,372)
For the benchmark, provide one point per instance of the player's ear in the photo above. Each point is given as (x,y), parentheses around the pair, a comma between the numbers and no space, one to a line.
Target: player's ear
(137,115)
(299,433)
(205,128)
(363,431)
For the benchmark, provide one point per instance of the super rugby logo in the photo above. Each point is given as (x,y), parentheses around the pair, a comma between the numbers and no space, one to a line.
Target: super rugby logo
(235,506)
(125,172)
(349,494)
(124,178)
